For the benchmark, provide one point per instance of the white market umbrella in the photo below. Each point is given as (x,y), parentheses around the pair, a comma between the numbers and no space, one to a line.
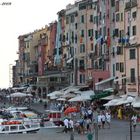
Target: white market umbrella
(55,93)
(18,94)
(29,95)
(79,98)
(111,102)
(53,97)
(69,95)
(136,103)
(125,100)
(71,89)
(61,99)
(19,88)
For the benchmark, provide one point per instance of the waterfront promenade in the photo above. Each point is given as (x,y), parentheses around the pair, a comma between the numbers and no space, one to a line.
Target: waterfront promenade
(119,131)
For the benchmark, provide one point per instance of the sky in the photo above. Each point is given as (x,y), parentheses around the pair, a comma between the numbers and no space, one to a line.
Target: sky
(18,18)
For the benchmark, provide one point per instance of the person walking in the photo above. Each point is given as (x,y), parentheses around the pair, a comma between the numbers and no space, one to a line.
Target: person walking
(71,129)
(90,114)
(99,120)
(82,124)
(66,125)
(134,121)
(103,119)
(88,125)
(108,119)
(119,111)
(71,125)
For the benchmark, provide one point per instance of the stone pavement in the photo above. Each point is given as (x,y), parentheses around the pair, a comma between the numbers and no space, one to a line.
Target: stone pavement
(119,131)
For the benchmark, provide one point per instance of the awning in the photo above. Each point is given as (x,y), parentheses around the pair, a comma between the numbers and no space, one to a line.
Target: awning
(69,60)
(101,95)
(104,81)
(112,102)
(85,96)
(136,102)
(118,79)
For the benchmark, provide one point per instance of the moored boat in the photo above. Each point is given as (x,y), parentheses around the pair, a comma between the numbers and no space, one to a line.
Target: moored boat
(11,127)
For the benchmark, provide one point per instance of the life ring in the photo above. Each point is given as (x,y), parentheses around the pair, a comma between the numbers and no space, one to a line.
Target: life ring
(11,122)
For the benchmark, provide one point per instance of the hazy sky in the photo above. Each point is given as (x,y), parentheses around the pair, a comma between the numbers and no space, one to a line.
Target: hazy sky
(21,17)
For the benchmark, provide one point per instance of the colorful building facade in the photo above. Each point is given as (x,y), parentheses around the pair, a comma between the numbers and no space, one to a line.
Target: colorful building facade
(94,42)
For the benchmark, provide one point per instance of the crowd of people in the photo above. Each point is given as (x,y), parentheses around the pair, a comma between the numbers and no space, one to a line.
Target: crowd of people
(86,118)
(89,116)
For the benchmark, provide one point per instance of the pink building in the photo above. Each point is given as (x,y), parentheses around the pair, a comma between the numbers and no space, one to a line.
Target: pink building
(132,49)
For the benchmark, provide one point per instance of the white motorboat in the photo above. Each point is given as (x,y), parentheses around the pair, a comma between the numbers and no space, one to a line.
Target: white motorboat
(11,127)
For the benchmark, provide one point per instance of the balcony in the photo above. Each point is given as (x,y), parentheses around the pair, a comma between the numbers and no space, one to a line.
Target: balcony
(57,81)
(50,71)
(131,4)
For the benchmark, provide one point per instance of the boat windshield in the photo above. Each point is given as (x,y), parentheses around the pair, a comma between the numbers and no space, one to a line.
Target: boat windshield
(21,127)
(13,128)
(5,128)
(28,126)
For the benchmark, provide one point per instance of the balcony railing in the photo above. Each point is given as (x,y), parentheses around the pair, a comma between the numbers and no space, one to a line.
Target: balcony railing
(131,4)
(53,83)
(49,71)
